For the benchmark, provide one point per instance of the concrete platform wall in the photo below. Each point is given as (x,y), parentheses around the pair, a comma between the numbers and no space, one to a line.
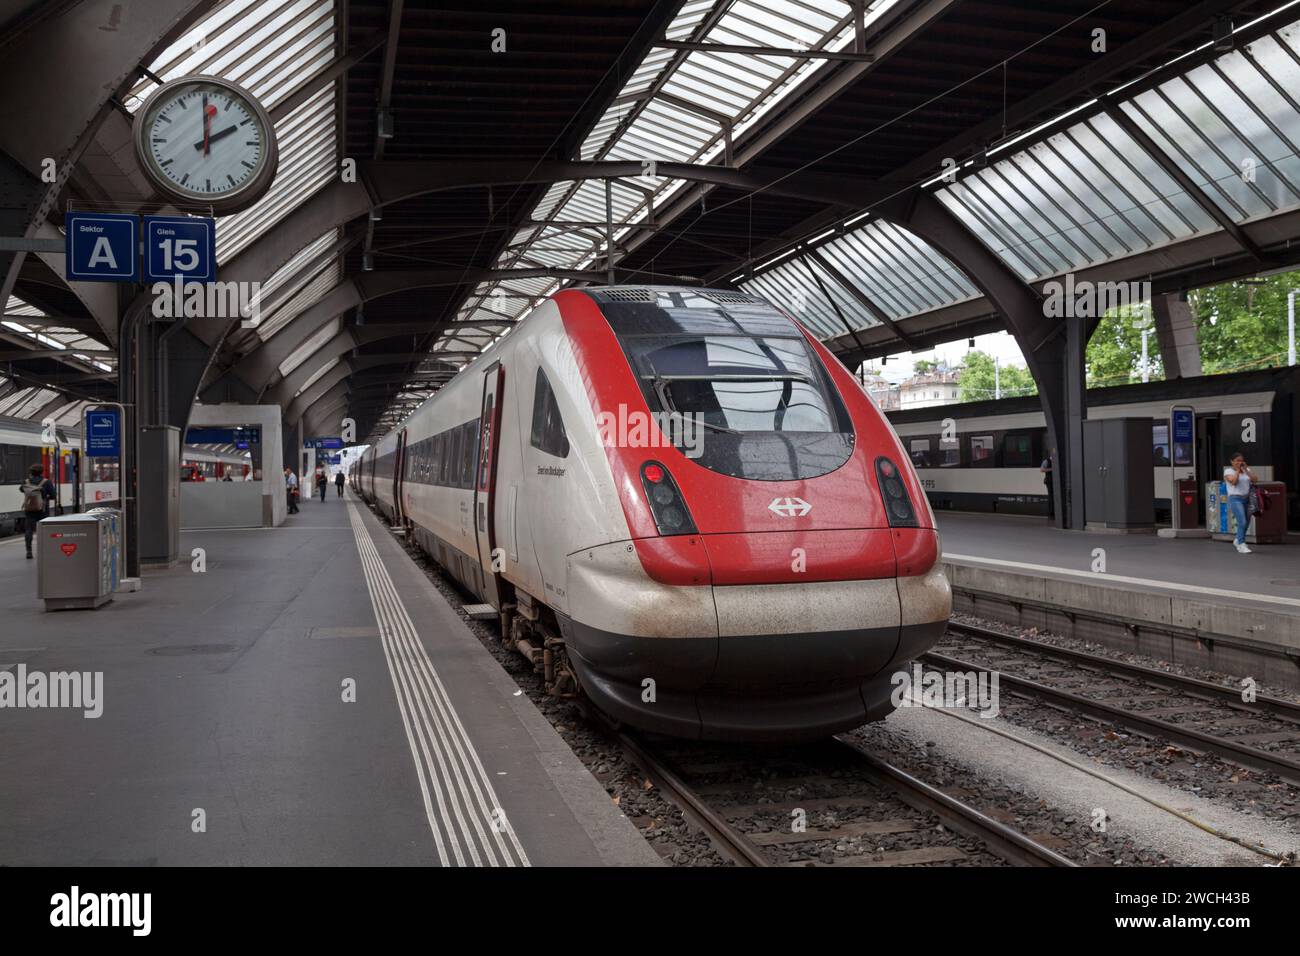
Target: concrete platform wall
(273,507)
(1234,639)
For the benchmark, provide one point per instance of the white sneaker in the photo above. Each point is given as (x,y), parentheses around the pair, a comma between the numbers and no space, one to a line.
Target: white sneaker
(1242,549)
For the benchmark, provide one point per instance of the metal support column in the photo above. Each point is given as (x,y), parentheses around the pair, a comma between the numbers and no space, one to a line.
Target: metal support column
(609,231)
(1070,514)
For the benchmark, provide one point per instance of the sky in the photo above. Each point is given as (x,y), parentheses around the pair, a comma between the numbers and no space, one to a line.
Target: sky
(999,344)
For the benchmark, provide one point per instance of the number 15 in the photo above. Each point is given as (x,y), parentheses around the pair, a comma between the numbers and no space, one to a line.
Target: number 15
(180,254)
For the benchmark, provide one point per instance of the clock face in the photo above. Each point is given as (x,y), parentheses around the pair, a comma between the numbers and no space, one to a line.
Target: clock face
(205,140)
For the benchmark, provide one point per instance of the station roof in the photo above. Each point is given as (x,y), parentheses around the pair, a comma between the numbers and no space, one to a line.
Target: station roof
(1170,157)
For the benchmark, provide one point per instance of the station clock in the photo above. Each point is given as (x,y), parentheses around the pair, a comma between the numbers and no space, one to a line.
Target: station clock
(206,140)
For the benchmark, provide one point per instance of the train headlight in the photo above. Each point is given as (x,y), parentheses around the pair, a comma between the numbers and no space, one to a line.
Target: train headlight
(666,504)
(898,504)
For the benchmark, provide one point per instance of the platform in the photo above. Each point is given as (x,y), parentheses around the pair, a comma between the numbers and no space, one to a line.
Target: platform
(1194,587)
(225,737)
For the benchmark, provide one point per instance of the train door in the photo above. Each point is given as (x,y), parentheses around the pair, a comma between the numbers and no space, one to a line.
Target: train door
(1207,456)
(52,463)
(399,473)
(485,480)
(74,477)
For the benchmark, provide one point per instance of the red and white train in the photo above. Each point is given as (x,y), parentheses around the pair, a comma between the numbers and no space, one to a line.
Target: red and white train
(681,504)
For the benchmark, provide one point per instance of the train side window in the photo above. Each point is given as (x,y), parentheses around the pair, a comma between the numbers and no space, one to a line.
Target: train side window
(919,449)
(981,451)
(470,429)
(457,459)
(1018,451)
(949,453)
(548,433)
(1160,443)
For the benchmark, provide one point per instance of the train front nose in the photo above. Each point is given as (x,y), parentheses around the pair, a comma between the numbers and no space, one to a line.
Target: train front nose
(780,648)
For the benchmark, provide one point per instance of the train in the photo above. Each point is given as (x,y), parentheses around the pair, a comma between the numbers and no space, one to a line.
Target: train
(989,458)
(682,507)
(24,443)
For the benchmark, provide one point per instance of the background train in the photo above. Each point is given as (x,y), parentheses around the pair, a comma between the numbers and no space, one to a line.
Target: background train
(993,465)
(757,573)
(21,447)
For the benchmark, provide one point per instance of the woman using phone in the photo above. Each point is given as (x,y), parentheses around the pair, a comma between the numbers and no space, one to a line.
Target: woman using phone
(1240,480)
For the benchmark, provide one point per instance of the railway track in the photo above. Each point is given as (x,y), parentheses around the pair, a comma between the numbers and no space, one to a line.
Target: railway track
(1262,735)
(745,800)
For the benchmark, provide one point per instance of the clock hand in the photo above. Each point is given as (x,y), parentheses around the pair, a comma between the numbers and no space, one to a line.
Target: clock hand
(214,137)
(207,123)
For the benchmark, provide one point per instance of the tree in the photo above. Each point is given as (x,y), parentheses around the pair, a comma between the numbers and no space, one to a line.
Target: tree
(924,366)
(980,379)
(1114,354)
(1242,325)
(1239,325)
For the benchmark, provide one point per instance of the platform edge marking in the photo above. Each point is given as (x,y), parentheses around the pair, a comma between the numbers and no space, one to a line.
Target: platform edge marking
(426,687)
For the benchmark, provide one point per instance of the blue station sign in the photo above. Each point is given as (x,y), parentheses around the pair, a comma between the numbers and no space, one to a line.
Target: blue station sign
(238,436)
(322,443)
(101,247)
(103,434)
(1183,429)
(182,247)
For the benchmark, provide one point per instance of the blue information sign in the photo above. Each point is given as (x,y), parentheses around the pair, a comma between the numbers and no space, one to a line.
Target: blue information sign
(101,247)
(184,246)
(336,459)
(1183,421)
(224,435)
(322,443)
(103,434)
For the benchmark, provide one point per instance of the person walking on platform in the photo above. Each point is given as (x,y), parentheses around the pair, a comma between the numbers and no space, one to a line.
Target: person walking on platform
(1046,469)
(37,492)
(1241,481)
(338,482)
(291,490)
(322,482)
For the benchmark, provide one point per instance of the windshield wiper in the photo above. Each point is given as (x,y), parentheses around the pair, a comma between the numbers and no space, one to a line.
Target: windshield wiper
(666,402)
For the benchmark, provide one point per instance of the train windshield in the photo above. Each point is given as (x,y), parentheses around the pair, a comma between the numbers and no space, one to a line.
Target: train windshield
(745,392)
(736,383)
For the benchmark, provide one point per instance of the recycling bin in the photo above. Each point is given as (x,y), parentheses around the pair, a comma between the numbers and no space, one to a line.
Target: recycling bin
(1269,526)
(78,559)
(1266,527)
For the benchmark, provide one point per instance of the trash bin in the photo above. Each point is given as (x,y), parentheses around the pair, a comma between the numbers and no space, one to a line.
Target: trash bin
(1188,514)
(1269,526)
(78,559)
(1266,527)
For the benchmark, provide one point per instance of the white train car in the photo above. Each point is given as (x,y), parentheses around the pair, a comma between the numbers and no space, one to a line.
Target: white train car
(989,458)
(22,444)
(766,581)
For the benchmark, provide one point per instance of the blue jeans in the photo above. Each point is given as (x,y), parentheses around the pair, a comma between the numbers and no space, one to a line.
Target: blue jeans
(1237,505)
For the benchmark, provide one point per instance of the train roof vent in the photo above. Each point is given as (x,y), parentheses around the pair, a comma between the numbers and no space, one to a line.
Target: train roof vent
(628,295)
(724,297)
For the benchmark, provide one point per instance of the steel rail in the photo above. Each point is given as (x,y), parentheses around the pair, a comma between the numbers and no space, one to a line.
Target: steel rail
(1006,842)
(728,840)
(1192,686)
(1251,757)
